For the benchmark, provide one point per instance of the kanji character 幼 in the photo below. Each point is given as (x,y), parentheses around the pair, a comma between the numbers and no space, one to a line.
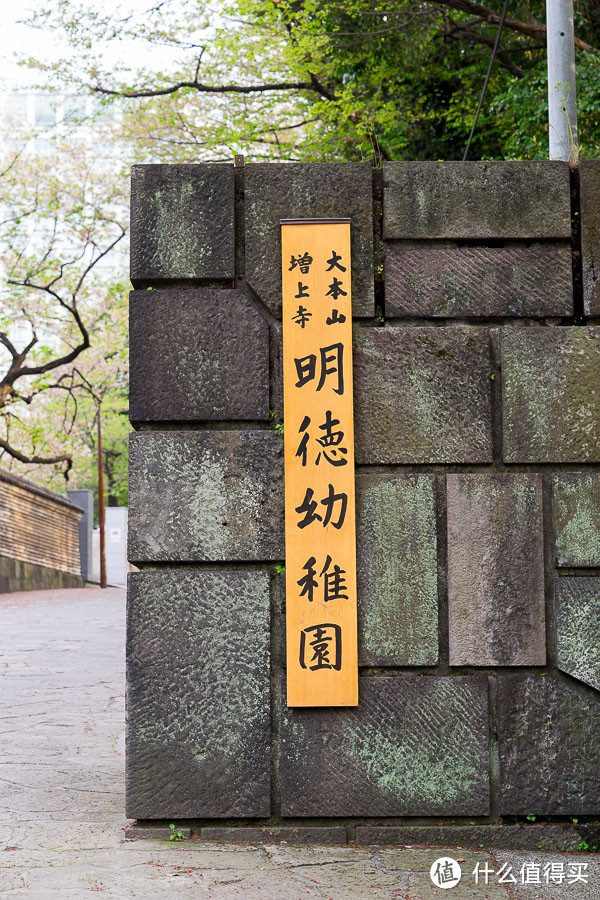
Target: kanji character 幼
(309,508)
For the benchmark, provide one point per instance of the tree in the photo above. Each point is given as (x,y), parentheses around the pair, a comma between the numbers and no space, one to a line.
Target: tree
(66,423)
(308,79)
(62,221)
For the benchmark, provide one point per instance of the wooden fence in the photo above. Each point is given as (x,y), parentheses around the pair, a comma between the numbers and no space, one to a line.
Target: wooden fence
(39,539)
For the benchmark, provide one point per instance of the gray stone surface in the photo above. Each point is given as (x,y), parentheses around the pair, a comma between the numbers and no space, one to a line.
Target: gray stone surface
(182,222)
(198,719)
(576,505)
(397,570)
(509,837)
(496,570)
(454,200)
(549,745)
(422,395)
(577,623)
(62,827)
(288,834)
(550,383)
(412,746)
(275,191)
(550,886)
(202,496)
(197,354)
(589,174)
(62,709)
(434,281)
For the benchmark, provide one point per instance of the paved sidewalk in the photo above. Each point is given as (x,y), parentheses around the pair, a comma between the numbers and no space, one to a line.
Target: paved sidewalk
(62,789)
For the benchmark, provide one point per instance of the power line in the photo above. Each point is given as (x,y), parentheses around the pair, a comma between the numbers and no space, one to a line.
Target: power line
(487,77)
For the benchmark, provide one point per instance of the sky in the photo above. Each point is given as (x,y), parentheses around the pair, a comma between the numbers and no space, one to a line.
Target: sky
(17,39)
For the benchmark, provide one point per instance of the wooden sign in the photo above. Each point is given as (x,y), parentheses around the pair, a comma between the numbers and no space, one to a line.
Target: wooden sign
(322,664)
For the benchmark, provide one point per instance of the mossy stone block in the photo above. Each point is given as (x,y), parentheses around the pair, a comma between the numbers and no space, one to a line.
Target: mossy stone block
(576,508)
(496,570)
(397,570)
(551,394)
(198,715)
(197,355)
(182,222)
(549,744)
(275,191)
(577,613)
(589,174)
(412,747)
(205,496)
(488,199)
(422,395)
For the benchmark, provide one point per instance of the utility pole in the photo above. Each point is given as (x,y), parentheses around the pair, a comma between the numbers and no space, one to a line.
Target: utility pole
(562,98)
(101,516)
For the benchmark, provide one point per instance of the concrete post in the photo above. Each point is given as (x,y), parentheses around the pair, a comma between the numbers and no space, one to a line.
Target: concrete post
(562,99)
(85,501)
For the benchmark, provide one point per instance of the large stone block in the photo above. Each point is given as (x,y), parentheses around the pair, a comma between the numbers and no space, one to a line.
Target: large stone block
(182,222)
(589,174)
(446,281)
(198,496)
(577,614)
(454,200)
(514,837)
(198,716)
(197,354)
(412,747)
(275,191)
(577,519)
(496,570)
(269,834)
(549,743)
(422,395)
(550,380)
(397,570)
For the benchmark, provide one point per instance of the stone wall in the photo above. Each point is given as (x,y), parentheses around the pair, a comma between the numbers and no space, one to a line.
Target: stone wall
(477,417)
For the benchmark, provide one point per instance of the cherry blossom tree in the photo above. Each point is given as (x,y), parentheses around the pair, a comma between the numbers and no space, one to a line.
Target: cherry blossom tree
(62,311)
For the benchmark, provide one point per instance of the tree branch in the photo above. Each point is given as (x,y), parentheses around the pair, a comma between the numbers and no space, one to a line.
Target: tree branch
(40,460)
(459,33)
(4,339)
(16,372)
(210,88)
(532,29)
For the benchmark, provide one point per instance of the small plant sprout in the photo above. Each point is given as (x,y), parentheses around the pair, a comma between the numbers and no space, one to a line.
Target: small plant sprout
(176,833)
